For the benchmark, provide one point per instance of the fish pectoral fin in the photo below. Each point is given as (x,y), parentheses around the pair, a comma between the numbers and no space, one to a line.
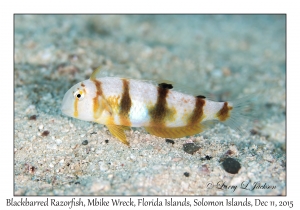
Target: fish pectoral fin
(104,108)
(118,132)
(175,132)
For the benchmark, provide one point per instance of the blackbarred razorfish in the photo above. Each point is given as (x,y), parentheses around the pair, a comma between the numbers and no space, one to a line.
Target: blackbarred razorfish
(120,103)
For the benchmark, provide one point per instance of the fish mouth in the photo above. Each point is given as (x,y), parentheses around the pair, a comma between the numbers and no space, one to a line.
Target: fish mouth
(65,108)
(65,111)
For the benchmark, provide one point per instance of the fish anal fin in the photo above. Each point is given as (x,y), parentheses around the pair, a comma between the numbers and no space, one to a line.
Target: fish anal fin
(175,132)
(118,132)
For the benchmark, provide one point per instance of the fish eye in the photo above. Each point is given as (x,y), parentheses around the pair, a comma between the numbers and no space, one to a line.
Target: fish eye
(79,95)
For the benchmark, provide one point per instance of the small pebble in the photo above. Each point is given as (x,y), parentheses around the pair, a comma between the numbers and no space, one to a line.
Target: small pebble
(234,149)
(41,127)
(132,157)
(58,141)
(103,166)
(170,141)
(207,157)
(254,132)
(251,163)
(204,169)
(190,148)
(229,152)
(231,166)
(187,174)
(20,135)
(185,185)
(99,151)
(176,159)
(45,133)
(269,158)
(52,146)
(33,117)
(85,142)
(106,141)
(100,187)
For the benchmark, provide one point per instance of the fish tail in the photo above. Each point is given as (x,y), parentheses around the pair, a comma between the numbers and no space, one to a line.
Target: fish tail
(239,112)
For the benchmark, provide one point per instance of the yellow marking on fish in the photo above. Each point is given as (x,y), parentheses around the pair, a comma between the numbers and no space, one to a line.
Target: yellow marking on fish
(113,102)
(96,106)
(77,96)
(224,113)
(76,107)
(110,121)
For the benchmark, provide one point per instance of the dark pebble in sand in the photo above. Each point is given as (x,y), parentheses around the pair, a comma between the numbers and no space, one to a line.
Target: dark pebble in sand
(170,141)
(207,157)
(33,117)
(85,142)
(93,132)
(229,152)
(232,166)
(45,133)
(254,132)
(106,141)
(187,174)
(190,148)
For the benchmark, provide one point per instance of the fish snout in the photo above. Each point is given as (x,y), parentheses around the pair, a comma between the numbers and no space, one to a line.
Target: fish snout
(66,107)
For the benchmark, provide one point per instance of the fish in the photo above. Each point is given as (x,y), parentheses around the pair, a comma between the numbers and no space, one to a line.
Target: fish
(162,110)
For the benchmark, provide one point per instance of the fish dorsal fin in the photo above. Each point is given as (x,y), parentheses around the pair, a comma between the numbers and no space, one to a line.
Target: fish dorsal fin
(96,73)
(103,72)
(114,71)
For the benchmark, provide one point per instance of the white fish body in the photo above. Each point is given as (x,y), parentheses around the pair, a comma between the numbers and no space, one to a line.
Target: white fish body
(120,103)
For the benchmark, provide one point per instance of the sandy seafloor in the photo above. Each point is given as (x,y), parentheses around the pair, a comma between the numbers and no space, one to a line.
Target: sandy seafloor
(229,56)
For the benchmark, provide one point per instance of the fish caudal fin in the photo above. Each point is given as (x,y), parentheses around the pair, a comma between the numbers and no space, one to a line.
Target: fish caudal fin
(118,132)
(235,113)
